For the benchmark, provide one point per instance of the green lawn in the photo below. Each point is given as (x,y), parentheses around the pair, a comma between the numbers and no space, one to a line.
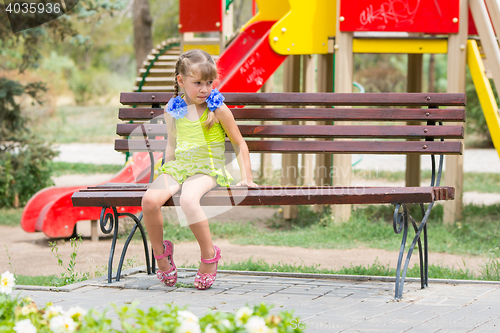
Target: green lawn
(79,124)
(369,227)
(65,168)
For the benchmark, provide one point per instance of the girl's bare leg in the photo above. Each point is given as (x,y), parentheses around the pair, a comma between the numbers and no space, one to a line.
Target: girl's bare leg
(192,190)
(157,194)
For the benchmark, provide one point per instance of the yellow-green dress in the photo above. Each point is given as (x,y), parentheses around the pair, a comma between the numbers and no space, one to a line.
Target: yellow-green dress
(198,150)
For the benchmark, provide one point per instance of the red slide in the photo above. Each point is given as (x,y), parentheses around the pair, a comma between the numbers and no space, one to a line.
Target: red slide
(50,210)
(249,60)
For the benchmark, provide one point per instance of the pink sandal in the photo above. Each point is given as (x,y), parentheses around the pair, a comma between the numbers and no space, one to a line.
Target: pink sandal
(170,277)
(206,280)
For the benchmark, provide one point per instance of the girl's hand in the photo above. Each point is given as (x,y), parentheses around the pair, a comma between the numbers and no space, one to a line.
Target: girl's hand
(245,182)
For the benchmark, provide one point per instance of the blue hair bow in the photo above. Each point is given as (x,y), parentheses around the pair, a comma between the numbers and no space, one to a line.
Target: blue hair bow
(177,107)
(215,100)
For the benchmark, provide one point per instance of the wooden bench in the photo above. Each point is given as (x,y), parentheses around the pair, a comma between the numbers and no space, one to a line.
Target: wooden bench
(393,110)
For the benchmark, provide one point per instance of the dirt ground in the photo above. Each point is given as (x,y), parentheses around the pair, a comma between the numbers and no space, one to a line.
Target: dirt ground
(30,253)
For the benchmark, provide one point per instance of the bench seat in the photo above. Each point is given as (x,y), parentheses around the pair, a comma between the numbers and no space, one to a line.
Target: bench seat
(126,195)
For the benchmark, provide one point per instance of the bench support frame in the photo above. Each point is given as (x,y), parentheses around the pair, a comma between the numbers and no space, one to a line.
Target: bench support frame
(400,224)
(109,222)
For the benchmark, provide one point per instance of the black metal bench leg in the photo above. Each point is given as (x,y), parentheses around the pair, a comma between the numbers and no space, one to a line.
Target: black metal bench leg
(400,276)
(108,223)
(153,261)
(138,224)
(400,223)
(420,250)
(124,251)
(113,224)
(426,257)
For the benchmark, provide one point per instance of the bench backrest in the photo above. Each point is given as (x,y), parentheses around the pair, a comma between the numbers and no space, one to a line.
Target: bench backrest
(381,130)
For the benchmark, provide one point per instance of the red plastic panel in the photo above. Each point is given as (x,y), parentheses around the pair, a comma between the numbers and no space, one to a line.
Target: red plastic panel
(241,45)
(246,70)
(426,16)
(200,16)
(472,25)
(51,211)
(59,219)
(38,201)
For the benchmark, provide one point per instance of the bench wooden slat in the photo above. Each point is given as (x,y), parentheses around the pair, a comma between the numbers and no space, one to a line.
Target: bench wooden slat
(318,114)
(143,187)
(332,114)
(279,196)
(440,193)
(312,147)
(319,99)
(315,131)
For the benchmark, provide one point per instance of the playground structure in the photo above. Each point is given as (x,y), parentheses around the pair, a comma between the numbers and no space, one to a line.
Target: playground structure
(297,28)
(286,31)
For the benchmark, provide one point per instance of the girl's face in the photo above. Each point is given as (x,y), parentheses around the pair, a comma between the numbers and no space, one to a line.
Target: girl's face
(197,90)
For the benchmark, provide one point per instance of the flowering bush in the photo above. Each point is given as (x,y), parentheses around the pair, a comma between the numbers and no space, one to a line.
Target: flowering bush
(21,315)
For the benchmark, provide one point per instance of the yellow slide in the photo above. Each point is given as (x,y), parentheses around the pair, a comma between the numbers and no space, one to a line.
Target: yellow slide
(302,27)
(484,92)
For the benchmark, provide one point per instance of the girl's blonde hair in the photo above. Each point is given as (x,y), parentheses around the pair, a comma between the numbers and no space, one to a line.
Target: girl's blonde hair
(191,63)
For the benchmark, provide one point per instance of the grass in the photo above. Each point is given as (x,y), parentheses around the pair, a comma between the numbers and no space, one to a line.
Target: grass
(65,168)
(79,124)
(489,272)
(10,216)
(370,227)
(375,269)
(481,182)
(39,280)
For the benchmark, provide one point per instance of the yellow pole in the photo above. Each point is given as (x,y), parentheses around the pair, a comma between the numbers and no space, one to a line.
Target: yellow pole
(484,92)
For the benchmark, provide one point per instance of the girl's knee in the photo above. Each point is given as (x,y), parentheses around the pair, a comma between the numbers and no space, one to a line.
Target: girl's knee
(189,202)
(150,202)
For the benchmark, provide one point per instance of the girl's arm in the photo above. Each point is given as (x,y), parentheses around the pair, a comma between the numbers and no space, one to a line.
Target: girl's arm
(226,119)
(171,139)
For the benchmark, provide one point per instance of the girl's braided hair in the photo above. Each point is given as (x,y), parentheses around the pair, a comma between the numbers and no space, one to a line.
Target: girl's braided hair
(191,63)
(194,61)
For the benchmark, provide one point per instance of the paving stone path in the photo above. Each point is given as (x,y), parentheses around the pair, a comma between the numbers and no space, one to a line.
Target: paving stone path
(357,304)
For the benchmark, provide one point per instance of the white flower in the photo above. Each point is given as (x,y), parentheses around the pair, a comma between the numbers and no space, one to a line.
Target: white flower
(77,313)
(25,310)
(210,329)
(7,282)
(226,323)
(256,324)
(242,315)
(24,326)
(62,324)
(189,327)
(52,311)
(187,316)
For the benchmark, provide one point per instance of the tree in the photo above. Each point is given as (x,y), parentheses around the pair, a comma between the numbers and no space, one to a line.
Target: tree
(24,158)
(143,38)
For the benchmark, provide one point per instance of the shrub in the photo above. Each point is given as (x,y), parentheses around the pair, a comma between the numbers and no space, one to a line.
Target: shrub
(24,169)
(24,158)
